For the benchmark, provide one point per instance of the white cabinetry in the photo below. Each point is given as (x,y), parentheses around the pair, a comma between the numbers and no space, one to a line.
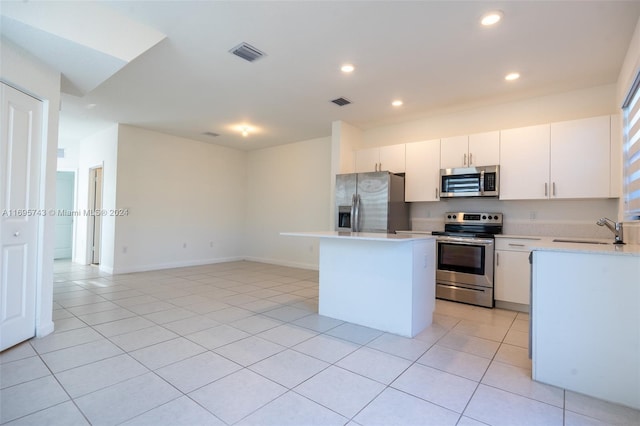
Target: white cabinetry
(512,274)
(422,171)
(580,162)
(388,158)
(586,323)
(480,149)
(564,160)
(454,152)
(524,163)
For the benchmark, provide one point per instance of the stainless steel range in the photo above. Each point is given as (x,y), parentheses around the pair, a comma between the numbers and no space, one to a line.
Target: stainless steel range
(465,252)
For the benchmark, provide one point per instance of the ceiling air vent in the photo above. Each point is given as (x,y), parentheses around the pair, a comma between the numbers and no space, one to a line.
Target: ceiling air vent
(247,52)
(341,101)
(211,134)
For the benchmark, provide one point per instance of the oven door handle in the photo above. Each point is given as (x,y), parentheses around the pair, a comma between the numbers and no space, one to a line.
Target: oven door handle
(466,240)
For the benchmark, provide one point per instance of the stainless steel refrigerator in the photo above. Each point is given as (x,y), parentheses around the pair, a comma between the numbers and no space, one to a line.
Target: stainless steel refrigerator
(371,202)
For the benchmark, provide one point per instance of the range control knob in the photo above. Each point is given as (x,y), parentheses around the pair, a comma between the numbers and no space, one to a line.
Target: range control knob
(484,217)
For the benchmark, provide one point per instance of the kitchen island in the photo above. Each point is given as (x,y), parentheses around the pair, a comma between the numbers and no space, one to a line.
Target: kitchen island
(382,281)
(585,317)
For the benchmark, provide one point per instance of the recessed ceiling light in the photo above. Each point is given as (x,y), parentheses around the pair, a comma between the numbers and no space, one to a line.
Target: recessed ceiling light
(512,76)
(396,103)
(347,68)
(244,128)
(491,18)
(91,106)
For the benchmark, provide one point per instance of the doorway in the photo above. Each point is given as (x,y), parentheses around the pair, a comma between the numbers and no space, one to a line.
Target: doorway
(66,216)
(94,229)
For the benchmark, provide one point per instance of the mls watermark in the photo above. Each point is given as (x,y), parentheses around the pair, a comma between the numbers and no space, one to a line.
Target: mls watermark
(64,212)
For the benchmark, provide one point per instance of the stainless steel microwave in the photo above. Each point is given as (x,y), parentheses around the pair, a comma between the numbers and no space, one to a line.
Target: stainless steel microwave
(470,182)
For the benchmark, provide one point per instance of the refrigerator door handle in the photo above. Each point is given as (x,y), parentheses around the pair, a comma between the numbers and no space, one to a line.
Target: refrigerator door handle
(353,213)
(356,220)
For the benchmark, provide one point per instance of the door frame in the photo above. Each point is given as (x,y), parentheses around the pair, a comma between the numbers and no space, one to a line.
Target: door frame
(90,206)
(75,208)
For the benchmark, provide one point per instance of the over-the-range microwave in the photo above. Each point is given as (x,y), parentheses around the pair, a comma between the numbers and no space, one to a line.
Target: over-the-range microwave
(470,182)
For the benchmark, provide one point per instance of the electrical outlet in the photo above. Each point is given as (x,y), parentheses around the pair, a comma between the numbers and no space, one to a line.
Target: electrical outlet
(211,244)
(184,245)
(124,249)
(533,215)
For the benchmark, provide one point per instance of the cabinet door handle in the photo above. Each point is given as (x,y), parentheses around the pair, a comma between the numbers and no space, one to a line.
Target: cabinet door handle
(436,193)
(379,167)
(464,160)
(497,259)
(470,158)
(515,245)
(546,190)
(554,189)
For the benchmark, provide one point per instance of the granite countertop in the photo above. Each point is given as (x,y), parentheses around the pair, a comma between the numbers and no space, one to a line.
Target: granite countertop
(369,236)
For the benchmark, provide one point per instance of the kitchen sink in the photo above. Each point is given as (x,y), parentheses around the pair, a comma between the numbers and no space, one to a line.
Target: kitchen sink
(560,240)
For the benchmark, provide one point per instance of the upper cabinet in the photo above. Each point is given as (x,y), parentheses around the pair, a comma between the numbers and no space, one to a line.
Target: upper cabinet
(386,158)
(423,171)
(524,165)
(454,152)
(480,149)
(564,160)
(580,164)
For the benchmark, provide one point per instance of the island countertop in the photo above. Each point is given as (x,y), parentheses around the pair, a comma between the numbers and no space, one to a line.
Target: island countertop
(367,236)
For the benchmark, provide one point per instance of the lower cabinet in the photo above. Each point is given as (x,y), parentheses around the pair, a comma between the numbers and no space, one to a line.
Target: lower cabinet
(512,274)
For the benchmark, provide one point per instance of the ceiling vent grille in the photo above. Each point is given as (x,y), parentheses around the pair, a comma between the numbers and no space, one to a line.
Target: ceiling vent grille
(341,101)
(211,134)
(247,52)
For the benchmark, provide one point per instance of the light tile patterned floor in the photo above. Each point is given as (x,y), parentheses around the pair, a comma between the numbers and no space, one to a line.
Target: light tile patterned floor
(242,343)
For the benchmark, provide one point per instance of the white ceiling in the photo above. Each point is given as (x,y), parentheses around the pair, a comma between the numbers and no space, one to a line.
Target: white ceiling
(432,54)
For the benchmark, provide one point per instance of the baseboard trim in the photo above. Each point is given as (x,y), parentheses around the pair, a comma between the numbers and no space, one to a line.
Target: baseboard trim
(281,262)
(172,265)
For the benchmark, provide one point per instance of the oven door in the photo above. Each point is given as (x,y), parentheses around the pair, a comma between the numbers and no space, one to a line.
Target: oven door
(465,270)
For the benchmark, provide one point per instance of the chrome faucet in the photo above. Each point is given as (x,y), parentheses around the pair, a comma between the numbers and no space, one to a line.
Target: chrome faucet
(615,227)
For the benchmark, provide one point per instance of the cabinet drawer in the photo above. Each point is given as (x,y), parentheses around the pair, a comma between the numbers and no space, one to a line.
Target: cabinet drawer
(516,244)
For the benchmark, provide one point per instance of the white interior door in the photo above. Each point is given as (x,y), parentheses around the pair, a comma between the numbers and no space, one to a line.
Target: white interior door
(65,189)
(20,170)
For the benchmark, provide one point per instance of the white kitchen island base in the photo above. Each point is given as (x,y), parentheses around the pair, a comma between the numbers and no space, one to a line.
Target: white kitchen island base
(586,321)
(382,281)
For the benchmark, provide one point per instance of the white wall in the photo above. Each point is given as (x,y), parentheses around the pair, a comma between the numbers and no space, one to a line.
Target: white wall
(288,189)
(28,74)
(71,158)
(98,150)
(178,192)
